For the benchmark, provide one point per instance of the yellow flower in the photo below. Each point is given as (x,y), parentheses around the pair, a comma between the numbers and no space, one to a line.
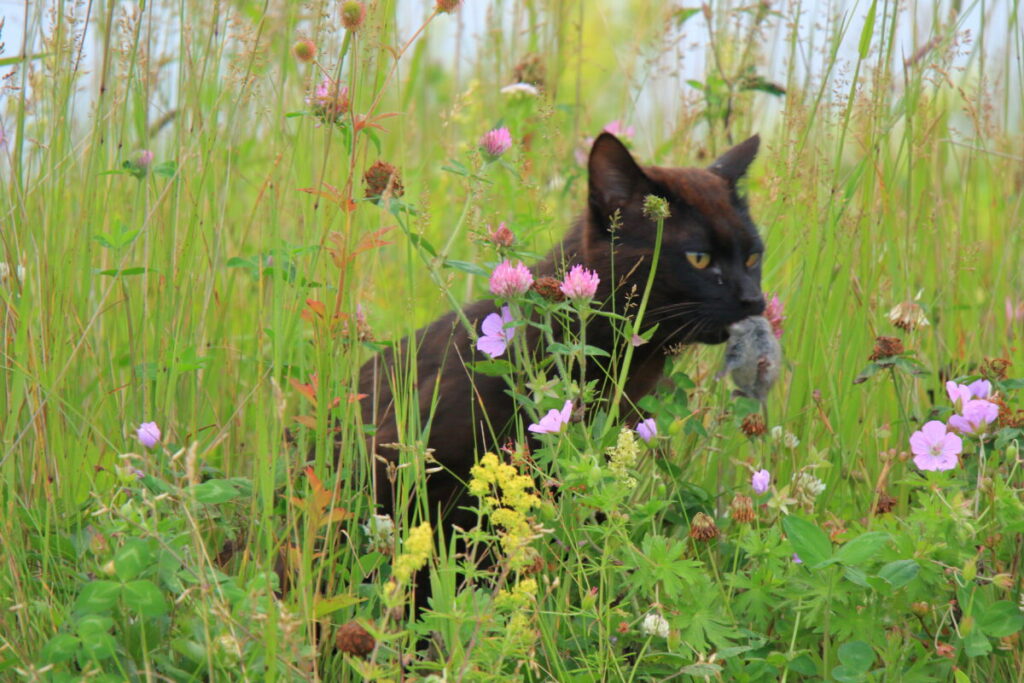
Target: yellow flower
(623,458)
(418,547)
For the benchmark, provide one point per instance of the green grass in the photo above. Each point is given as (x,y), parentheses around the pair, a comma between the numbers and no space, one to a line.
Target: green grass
(177,296)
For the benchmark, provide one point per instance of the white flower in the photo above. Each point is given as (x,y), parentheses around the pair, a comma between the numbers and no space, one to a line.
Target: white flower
(5,272)
(655,625)
(776,433)
(790,440)
(520,89)
(381,532)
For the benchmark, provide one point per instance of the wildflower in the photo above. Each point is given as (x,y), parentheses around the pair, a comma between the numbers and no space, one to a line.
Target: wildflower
(329,101)
(637,340)
(496,334)
(741,509)
(980,388)
(908,316)
(773,314)
(580,283)
(520,596)
(447,6)
(549,288)
(501,236)
(753,425)
(507,497)
(976,416)
(655,625)
(886,347)
(616,128)
(144,159)
(527,89)
(760,482)
(934,448)
(623,457)
(508,281)
(148,434)
(702,527)
(553,422)
(656,207)
(647,429)
(796,559)
(380,530)
(353,13)
(496,142)
(885,504)
(530,71)
(304,50)
(353,639)
(383,178)
(790,440)
(806,488)
(416,551)
(5,272)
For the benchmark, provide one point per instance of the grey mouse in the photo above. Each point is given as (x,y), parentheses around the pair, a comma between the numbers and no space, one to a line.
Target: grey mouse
(753,357)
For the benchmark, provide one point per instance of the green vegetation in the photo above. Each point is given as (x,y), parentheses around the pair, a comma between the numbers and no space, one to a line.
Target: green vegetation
(188,239)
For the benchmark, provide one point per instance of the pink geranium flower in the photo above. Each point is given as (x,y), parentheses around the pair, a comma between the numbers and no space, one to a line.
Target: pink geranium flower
(959,394)
(580,283)
(975,416)
(496,335)
(647,429)
(760,482)
(934,448)
(508,281)
(554,421)
(496,142)
(148,434)
(980,388)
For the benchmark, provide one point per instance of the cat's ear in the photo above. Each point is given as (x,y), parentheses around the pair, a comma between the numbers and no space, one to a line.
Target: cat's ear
(734,163)
(614,177)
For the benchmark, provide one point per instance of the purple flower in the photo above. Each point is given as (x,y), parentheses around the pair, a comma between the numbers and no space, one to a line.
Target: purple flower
(553,422)
(796,559)
(496,142)
(616,128)
(148,434)
(495,335)
(934,448)
(975,415)
(144,159)
(647,429)
(980,388)
(959,394)
(580,283)
(508,281)
(760,482)
(773,314)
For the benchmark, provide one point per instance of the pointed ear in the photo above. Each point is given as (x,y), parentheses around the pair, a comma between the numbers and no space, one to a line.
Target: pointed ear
(614,177)
(734,163)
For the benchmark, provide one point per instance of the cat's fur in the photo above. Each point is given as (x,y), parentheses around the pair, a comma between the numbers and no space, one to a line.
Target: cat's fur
(474,413)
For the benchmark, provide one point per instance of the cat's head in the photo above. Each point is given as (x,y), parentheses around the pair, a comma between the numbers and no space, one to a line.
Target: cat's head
(709,269)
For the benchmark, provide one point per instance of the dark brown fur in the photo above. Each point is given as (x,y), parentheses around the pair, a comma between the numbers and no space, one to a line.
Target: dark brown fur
(473,412)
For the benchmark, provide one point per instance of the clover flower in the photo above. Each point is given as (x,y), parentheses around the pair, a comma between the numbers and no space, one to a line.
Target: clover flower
(773,313)
(496,142)
(501,236)
(527,89)
(148,434)
(655,625)
(760,482)
(329,100)
(647,429)
(908,316)
(554,421)
(508,281)
(934,448)
(580,283)
(496,335)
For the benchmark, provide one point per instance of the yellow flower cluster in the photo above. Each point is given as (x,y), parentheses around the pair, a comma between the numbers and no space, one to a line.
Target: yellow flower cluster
(623,457)
(507,499)
(518,597)
(418,548)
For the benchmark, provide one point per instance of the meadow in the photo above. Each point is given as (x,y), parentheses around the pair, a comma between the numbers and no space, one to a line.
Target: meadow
(215,212)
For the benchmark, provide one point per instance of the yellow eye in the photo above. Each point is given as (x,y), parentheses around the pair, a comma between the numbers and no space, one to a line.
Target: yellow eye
(753,260)
(698,259)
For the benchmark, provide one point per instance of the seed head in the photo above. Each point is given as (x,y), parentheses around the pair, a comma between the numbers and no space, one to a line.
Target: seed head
(447,6)
(383,178)
(885,504)
(549,288)
(656,207)
(355,640)
(530,70)
(353,13)
(702,527)
(908,316)
(304,50)
(741,509)
(886,347)
(753,425)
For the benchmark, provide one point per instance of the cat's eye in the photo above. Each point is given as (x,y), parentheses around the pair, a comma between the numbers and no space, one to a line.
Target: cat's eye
(698,259)
(753,259)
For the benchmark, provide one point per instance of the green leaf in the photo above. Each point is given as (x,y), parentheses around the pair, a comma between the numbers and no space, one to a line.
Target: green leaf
(871,369)
(214,491)
(589,350)
(867,31)
(960,677)
(857,655)
(144,598)
(1000,620)
(134,270)
(61,648)
(97,646)
(683,14)
(976,644)
(97,596)
(93,623)
(166,169)
(134,557)
(324,606)
(422,242)
(466,267)
(900,572)
(861,549)
(808,541)
(845,674)
(492,368)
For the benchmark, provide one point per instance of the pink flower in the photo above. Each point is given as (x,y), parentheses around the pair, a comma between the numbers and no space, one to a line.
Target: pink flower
(980,388)
(637,340)
(553,422)
(329,100)
(508,281)
(647,429)
(959,394)
(496,335)
(148,434)
(501,236)
(760,482)
(934,448)
(616,128)
(796,559)
(773,314)
(580,283)
(144,159)
(975,416)
(496,142)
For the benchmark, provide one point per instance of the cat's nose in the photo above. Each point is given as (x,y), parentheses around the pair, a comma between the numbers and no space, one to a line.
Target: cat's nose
(751,299)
